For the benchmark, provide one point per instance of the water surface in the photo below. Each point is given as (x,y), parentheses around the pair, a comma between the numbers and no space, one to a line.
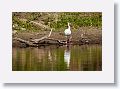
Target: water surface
(53,58)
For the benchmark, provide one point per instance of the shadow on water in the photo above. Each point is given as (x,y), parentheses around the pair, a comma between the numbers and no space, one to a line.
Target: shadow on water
(53,58)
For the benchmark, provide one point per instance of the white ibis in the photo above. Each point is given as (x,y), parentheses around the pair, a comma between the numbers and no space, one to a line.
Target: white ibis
(68,32)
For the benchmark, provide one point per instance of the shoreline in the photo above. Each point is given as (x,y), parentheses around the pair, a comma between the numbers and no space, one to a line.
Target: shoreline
(82,36)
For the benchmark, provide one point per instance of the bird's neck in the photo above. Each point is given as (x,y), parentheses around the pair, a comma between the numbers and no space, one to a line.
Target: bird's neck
(68,27)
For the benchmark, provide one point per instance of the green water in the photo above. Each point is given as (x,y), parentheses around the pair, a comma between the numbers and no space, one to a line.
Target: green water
(53,58)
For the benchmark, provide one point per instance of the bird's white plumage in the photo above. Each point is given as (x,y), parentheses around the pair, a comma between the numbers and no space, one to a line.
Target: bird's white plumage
(67,31)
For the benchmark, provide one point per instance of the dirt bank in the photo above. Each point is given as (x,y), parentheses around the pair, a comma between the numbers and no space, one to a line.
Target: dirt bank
(85,35)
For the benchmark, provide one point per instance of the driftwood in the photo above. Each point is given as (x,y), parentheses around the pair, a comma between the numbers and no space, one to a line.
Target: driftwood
(43,40)
(55,41)
(28,43)
(44,37)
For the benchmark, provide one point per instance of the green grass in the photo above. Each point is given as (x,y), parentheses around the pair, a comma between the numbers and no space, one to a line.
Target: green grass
(77,21)
(58,20)
(24,24)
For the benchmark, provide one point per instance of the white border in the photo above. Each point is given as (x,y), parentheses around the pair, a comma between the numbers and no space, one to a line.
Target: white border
(104,6)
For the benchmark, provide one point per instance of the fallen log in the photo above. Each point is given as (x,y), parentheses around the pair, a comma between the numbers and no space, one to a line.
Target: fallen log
(28,43)
(44,37)
(46,41)
(41,41)
(60,42)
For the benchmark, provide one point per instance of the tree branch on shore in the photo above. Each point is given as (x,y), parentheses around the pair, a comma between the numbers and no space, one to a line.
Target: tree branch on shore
(44,37)
(41,40)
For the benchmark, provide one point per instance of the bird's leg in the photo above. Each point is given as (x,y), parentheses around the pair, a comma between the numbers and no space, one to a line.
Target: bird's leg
(68,40)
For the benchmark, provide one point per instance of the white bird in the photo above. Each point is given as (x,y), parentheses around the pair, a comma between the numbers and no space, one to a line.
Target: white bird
(68,31)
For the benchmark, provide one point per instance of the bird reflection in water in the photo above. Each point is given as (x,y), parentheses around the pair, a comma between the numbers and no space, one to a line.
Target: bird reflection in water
(67,56)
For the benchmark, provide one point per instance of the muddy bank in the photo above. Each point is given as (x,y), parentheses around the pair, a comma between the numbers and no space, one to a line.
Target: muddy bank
(85,35)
